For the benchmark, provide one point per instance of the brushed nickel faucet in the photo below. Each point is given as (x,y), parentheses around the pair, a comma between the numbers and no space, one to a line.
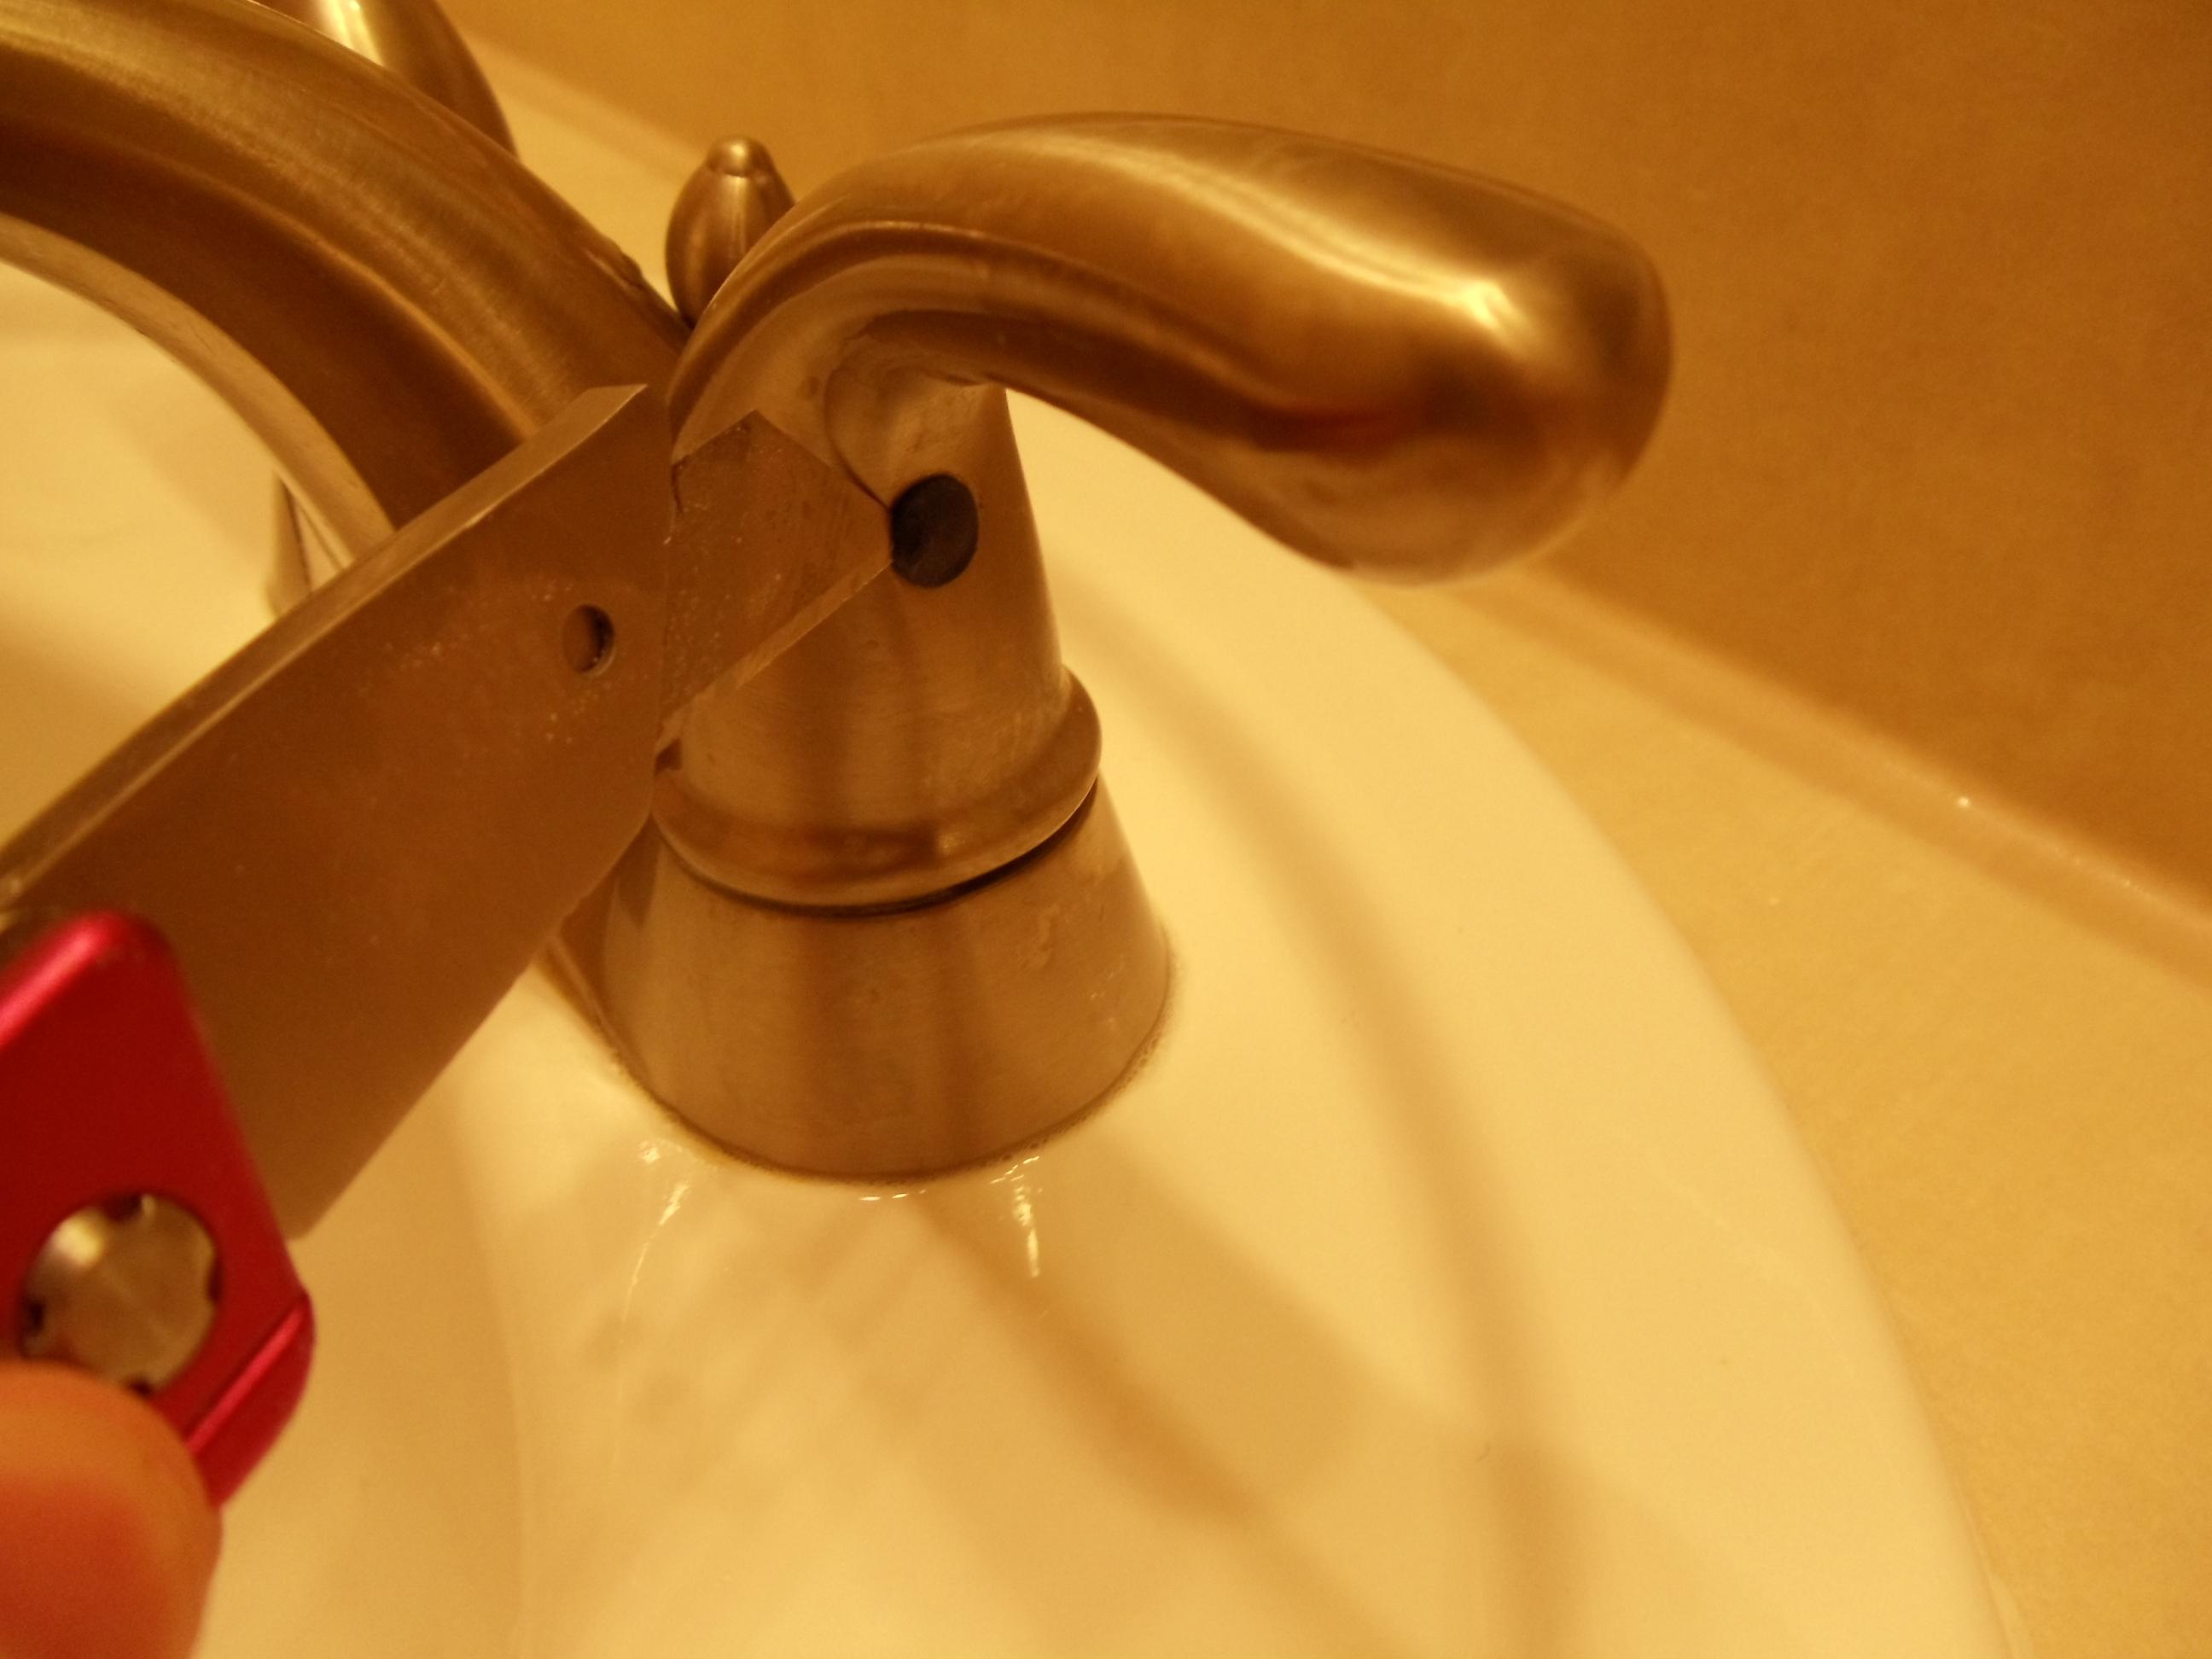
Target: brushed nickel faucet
(884,919)
(858,903)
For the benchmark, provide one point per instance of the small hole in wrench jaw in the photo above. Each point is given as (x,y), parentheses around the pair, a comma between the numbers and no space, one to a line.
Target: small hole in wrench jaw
(587,639)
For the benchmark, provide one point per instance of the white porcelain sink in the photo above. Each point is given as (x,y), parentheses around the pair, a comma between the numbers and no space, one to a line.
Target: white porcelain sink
(1449,1281)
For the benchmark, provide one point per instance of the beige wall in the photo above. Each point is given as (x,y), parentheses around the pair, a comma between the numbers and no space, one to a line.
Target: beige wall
(1940,453)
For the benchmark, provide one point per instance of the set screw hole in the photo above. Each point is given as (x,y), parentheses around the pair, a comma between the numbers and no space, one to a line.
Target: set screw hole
(933,530)
(587,639)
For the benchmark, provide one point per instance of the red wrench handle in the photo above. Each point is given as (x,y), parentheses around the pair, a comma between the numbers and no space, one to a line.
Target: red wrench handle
(106,1096)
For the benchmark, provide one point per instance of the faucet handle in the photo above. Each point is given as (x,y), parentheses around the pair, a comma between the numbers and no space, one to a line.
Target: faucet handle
(1393,368)
(884,919)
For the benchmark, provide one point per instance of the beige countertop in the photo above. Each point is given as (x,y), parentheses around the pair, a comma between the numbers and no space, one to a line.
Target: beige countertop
(2000,1052)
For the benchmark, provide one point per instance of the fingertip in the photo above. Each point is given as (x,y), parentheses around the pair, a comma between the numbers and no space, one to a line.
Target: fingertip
(108,1540)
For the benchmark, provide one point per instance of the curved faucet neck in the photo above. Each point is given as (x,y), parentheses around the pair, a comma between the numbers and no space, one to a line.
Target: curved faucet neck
(385,295)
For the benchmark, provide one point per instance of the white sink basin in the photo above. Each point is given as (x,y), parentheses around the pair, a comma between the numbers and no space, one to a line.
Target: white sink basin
(1449,1282)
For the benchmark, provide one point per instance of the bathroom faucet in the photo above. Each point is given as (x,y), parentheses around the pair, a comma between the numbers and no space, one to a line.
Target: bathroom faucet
(713,647)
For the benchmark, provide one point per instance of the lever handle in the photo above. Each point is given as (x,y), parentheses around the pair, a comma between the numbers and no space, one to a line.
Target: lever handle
(1393,368)
(884,919)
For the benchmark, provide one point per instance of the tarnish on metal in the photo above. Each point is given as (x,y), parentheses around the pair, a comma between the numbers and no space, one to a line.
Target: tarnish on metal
(358,831)
(106,1094)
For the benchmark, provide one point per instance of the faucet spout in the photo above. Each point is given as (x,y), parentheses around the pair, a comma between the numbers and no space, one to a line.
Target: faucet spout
(386,296)
(415,42)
